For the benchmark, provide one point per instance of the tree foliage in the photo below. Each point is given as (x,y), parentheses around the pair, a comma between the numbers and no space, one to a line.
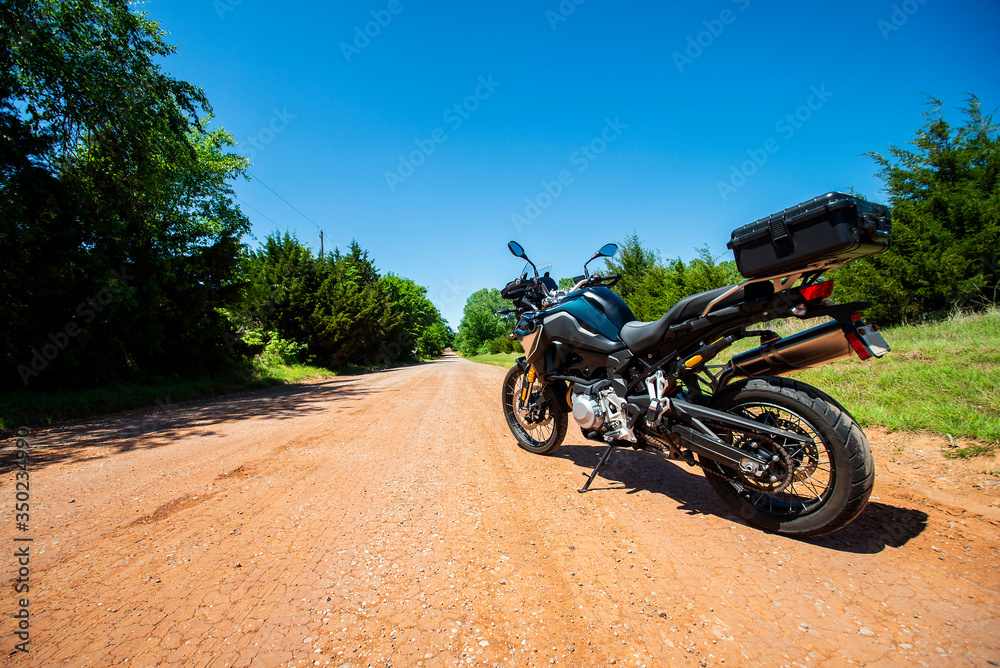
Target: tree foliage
(338,306)
(480,324)
(634,262)
(945,198)
(651,286)
(121,252)
(119,233)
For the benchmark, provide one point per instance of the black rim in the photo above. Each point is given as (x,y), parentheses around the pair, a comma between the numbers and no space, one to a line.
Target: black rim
(527,432)
(809,472)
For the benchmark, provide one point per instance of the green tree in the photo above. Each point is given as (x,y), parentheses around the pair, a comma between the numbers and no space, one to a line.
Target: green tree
(116,213)
(661,288)
(705,272)
(421,330)
(480,322)
(281,281)
(651,286)
(945,198)
(337,306)
(634,262)
(352,318)
(433,340)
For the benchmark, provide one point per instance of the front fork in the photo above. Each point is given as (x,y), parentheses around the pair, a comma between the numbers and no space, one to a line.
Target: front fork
(529,379)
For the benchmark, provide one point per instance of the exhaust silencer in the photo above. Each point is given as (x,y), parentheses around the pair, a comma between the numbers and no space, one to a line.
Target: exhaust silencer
(813,347)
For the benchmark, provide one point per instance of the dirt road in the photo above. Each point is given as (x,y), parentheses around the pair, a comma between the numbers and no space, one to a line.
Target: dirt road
(389,519)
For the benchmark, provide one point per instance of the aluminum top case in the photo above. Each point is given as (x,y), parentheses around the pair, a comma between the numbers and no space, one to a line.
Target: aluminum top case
(829,228)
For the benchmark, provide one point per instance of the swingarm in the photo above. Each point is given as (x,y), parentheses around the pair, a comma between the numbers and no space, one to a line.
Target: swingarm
(705,443)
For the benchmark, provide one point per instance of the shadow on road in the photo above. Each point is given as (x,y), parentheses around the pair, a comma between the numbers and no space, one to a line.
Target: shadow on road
(147,429)
(879,526)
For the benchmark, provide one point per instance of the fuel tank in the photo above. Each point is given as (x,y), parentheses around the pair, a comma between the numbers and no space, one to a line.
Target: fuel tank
(587,320)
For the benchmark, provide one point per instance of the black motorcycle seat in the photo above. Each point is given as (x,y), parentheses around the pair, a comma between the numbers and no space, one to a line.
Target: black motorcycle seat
(641,335)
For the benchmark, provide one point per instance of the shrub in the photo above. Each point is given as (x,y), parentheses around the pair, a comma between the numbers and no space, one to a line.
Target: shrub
(281,351)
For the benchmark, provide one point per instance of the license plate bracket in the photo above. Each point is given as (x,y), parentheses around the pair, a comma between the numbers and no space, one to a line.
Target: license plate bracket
(873,340)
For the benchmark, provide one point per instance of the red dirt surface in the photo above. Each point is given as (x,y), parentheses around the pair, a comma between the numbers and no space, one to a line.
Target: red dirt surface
(390,520)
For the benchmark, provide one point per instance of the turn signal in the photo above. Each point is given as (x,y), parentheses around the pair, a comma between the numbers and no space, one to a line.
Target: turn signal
(693,362)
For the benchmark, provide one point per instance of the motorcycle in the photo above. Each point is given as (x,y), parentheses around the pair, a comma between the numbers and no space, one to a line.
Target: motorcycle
(783,455)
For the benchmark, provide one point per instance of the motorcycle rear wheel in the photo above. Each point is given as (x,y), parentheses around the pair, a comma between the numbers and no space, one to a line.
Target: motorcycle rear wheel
(539,436)
(827,484)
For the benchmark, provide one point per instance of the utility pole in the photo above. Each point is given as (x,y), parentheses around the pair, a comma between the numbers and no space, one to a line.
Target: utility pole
(321,242)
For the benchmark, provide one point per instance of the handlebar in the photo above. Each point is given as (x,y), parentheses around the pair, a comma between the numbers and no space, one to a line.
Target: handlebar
(541,292)
(595,280)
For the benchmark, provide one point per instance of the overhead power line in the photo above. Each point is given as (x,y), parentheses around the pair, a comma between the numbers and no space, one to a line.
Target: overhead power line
(284,200)
(255,177)
(262,215)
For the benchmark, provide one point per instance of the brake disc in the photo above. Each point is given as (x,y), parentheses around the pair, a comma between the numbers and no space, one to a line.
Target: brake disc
(806,457)
(780,471)
(531,416)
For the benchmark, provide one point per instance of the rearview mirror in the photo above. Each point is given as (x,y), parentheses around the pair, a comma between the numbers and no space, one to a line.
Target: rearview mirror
(517,251)
(608,250)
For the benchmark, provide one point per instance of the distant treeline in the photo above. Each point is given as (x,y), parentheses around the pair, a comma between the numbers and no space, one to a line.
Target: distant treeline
(121,252)
(335,310)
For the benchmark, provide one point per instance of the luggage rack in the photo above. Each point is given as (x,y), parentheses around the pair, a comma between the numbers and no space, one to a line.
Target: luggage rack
(781,282)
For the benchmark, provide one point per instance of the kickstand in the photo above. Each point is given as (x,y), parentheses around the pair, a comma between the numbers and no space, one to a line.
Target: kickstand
(600,463)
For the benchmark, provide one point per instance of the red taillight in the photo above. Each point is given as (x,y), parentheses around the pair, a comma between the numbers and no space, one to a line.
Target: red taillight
(818,291)
(858,345)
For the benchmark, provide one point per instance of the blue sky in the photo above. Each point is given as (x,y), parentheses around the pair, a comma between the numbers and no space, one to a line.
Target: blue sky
(451,128)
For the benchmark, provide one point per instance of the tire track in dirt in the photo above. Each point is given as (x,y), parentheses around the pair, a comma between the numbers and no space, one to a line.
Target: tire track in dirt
(390,519)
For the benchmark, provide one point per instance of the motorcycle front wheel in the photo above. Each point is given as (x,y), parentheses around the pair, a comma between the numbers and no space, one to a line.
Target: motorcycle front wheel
(820,486)
(538,426)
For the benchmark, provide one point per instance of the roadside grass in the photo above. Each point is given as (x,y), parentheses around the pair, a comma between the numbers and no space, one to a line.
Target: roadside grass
(505,360)
(943,377)
(35,409)
(296,373)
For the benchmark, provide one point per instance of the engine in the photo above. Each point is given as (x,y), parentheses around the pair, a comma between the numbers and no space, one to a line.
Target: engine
(587,412)
(602,412)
